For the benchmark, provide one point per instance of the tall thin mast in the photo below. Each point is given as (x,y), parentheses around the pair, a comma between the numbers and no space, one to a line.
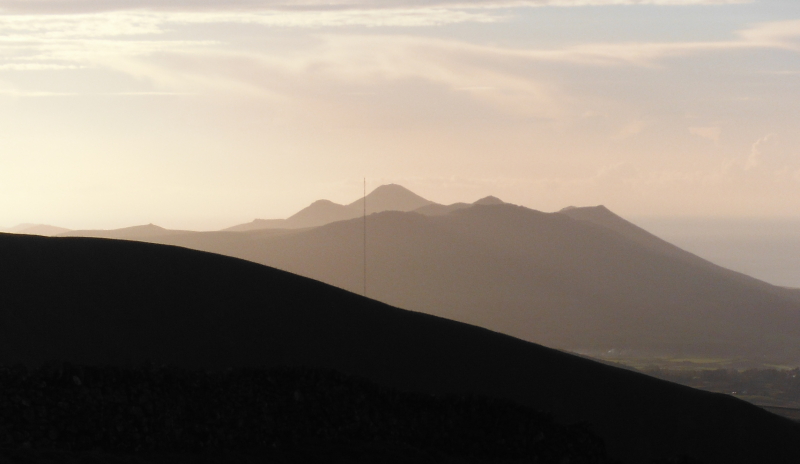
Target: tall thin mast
(364,201)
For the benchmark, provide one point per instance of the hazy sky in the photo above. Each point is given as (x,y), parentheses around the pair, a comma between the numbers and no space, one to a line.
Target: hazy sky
(202,114)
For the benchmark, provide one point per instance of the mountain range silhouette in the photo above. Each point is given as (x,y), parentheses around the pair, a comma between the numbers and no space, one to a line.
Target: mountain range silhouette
(582,279)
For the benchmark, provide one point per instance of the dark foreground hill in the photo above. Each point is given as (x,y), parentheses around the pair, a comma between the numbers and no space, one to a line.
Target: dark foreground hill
(100,302)
(155,414)
(590,283)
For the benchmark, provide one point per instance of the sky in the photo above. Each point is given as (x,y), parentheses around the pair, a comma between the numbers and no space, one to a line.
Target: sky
(203,114)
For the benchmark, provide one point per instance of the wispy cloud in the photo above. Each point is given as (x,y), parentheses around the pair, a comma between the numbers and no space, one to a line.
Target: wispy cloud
(10,91)
(757,152)
(82,6)
(777,35)
(37,67)
(98,30)
(137,42)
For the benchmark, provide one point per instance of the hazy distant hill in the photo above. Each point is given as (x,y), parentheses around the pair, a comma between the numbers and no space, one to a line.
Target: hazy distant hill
(127,233)
(391,197)
(543,277)
(257,224)
(600,215)
(765,248)
(36,229)
(319,213)
(439,210)
(436,209)
(490,200)
(118,302)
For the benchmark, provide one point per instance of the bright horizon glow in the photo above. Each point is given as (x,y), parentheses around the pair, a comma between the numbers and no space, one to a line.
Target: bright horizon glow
(202,115)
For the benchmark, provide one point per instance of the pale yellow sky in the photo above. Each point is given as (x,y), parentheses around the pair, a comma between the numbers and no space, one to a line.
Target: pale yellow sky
(201,115)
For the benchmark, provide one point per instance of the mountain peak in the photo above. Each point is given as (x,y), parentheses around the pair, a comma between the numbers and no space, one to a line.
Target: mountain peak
(490,200)
(391,197)
(323,203)
(391,188)
(319,213)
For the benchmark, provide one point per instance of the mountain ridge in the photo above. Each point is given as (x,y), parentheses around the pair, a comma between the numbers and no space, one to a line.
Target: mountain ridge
(563,282)
(387,197)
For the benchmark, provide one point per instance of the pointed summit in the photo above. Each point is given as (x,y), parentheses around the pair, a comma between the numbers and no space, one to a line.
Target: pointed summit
(391,197)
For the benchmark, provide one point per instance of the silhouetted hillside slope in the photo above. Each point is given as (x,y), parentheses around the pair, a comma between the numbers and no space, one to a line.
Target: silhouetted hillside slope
(116,302)
(542,277)
(600,215)
(133,233)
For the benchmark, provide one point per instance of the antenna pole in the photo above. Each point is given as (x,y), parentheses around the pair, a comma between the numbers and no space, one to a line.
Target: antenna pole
(364,201)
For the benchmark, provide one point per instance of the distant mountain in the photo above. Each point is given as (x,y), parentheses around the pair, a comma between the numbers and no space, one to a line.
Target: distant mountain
(127,233)
(765,248)
(90,301)
(322,212)
(600,215)
(575,284)
(258,224)
(436,209)
(440,210)
(490,200)
(36,229)
(391,197)
(319,213)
